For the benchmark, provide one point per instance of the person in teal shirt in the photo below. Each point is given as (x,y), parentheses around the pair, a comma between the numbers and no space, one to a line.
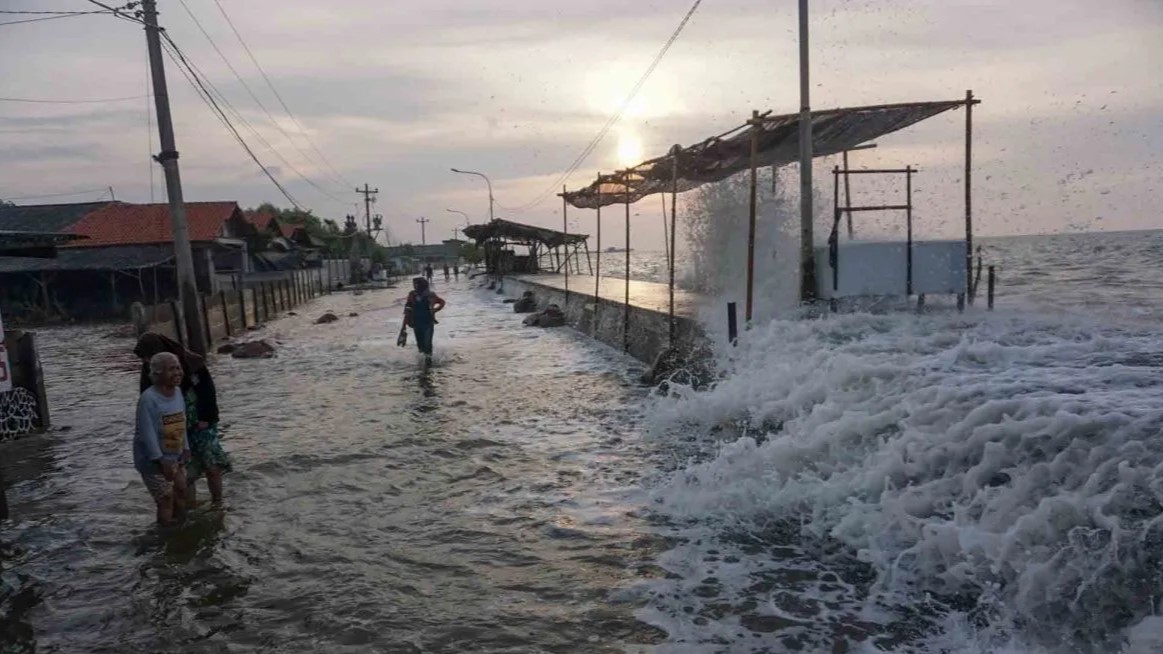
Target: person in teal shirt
(420,311)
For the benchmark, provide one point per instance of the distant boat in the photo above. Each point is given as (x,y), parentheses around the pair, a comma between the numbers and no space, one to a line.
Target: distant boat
(612,250)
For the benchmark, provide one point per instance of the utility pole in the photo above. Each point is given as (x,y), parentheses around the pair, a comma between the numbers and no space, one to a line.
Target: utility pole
(807,246)
(168,158)
(423,238)
(367,193)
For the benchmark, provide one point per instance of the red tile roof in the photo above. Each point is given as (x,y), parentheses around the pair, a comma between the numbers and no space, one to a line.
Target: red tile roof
(260,219)
(119,223)
(287,230)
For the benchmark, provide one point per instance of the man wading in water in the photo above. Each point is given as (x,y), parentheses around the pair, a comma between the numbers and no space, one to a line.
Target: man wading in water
(160,447)
(420,314)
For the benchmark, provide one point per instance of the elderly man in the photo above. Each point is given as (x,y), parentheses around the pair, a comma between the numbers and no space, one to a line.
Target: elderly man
(160,445)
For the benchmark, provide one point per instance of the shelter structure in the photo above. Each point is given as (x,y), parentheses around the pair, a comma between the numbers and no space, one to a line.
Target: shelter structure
(766,141)
(557,251)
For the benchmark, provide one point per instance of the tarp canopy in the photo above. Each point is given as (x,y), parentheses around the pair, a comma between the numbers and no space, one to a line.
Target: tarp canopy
(719,157)
(524,234)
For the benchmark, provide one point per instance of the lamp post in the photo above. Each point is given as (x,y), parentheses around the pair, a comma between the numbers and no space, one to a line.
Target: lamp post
(487,181)
(465,215)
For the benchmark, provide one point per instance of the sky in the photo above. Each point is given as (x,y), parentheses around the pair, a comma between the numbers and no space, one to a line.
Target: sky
(1069,135)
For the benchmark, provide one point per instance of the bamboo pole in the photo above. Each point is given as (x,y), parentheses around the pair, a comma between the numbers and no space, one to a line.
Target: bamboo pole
(626,301)
(751,215)
(847,194)
(909,229)
(565,230)
(673,226)
(969,194)
(598,249)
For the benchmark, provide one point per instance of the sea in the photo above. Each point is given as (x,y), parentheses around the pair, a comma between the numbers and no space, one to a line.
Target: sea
(871,481)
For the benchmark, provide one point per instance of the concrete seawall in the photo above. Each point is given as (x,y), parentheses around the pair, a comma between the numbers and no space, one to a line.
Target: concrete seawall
(603,318)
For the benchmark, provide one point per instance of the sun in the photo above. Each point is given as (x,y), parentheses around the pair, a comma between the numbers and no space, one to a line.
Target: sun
(629,150)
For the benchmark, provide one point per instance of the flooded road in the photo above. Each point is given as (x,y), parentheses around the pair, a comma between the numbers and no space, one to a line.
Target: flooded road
(488,504)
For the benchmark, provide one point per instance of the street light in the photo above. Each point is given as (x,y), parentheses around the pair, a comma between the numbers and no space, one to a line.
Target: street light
(466,223)
(470,172)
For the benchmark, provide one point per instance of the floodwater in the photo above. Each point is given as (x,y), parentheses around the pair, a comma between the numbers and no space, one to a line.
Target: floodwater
(484,505)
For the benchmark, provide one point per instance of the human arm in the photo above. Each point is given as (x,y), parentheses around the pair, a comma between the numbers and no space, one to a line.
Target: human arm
(437,303)
(408,309)
(146,431)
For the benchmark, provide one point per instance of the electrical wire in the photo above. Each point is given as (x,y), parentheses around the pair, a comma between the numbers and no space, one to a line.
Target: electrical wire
(102,191)
(96,101)
(52,17)
(577,162)
(257,101)
(279,96)
(215,92)
(191,76)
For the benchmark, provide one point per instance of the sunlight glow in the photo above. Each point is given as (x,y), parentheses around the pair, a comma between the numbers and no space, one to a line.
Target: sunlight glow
(629,150)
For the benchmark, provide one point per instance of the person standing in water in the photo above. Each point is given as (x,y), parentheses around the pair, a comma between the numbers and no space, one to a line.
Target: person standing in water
(420,311)
(428,272)
(160,443)
(446,272)
(209,459)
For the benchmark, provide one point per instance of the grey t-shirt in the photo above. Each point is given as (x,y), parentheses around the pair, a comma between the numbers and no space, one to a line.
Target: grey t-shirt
(160,433)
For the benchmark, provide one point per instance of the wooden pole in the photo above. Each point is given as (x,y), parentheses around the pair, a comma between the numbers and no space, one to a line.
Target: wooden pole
(225,313)
(847,195)
(751,215)
(626,301)
(990,285)
(598,249)
(589,261)
(673,228)
(807,247)
(969,194)
(665,238)
(565,230)
(909,231)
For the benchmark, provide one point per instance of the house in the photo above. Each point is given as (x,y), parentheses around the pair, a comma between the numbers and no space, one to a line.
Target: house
(280,245)
(126,256)
(412,258)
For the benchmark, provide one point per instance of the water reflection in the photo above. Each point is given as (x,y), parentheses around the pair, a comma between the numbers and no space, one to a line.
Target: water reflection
(375,505)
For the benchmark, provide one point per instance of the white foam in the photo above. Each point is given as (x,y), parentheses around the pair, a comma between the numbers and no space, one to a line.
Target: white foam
(1012,457)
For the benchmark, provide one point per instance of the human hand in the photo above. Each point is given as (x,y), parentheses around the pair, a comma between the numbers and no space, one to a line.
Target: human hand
(186,456)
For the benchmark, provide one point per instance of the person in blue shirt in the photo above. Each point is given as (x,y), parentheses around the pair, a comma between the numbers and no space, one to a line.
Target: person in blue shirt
(420,311)
(160,445)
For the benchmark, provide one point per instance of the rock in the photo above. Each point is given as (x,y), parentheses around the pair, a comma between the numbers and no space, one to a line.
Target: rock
(292,313)
(254,350)
(690,366)
(509,300)
(353,314)
(526,304)
(326,318)
(227,348)
(552,316)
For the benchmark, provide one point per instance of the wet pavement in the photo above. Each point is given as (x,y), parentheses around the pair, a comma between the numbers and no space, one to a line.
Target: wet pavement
(486,504)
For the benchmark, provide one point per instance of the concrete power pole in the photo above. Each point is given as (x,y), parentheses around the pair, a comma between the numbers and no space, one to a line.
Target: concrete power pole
(423,237)
(168,158)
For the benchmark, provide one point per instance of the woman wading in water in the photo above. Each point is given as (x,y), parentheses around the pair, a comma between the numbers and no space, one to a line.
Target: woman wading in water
(207,456)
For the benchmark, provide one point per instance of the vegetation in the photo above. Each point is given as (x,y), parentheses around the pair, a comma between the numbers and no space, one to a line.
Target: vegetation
(336,239)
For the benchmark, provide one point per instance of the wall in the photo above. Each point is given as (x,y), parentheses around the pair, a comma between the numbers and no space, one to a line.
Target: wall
(603,320)
(229,313)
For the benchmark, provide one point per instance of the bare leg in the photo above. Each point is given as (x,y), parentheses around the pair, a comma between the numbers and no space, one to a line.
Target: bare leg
(214,481)
(165,509)
(180,489)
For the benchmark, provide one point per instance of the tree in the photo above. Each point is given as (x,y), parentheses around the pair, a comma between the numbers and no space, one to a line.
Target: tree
(471,253)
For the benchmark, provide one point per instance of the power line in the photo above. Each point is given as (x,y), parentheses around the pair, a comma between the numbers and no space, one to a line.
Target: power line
(577,162)
(102,191)
(52,17)
(279,96)
(257,101)
(191,76)
(96,101)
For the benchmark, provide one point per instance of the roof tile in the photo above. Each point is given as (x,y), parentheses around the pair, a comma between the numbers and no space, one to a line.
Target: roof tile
(135,224)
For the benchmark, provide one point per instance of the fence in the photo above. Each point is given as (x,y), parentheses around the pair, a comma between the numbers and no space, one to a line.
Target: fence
(229,313)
